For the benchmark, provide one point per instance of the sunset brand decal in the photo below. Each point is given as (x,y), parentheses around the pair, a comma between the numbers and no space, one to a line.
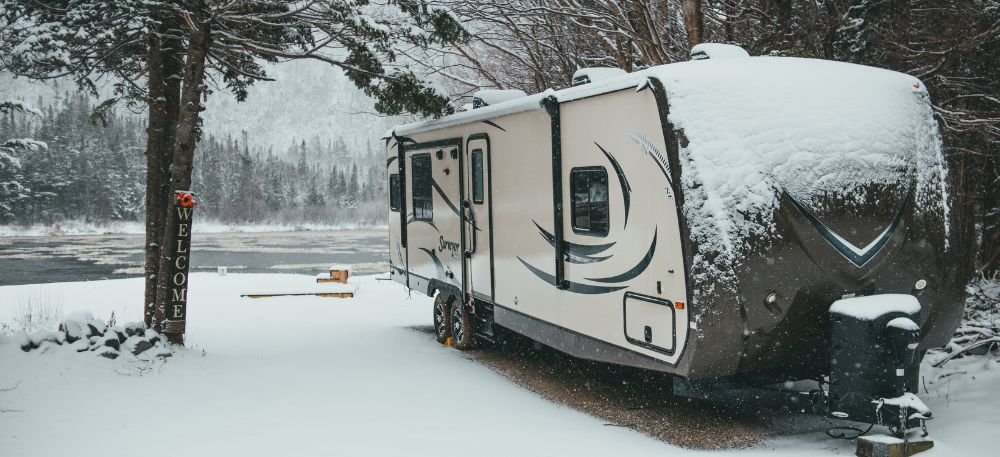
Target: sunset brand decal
(858,256)
(403,139)
(573,286)
(444,197)
(450,246)
(437,262)
(577,253)
(494,124)
(626,188)
(410,219)
(590,250)
(634,271)
(650,149)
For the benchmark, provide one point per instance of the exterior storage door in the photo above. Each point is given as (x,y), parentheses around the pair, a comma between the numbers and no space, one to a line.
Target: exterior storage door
(649,323)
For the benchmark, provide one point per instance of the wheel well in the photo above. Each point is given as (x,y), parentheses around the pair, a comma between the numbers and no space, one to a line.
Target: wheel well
(434,286)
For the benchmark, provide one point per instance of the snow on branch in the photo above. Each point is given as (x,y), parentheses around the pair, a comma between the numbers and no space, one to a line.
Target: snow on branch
(24,144)
(7,106)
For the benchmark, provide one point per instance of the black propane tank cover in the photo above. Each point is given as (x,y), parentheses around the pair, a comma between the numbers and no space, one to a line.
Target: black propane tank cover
(864,365)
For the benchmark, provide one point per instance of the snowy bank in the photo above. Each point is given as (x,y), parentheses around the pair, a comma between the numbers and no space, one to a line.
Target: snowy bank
(328,376)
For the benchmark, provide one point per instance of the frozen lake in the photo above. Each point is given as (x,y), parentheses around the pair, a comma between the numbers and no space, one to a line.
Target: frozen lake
(29,260)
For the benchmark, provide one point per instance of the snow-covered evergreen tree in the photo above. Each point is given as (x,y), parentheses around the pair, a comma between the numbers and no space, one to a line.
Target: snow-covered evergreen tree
(13,192)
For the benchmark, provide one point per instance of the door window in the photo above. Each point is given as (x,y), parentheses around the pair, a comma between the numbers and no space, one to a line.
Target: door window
(423,201)
(477,176)
(394,192)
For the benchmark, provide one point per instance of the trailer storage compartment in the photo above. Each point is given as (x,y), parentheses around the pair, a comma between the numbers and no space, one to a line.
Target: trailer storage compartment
(649,322)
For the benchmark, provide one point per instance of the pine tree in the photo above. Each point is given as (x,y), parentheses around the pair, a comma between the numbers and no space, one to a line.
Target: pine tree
(314,198)
(303,164)
(352,186)
(12,192)
(332,189)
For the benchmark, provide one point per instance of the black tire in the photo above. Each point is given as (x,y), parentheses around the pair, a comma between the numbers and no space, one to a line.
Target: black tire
(442,318)
(461,327)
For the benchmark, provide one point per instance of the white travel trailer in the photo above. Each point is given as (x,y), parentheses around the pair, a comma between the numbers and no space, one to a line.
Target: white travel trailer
(698,218)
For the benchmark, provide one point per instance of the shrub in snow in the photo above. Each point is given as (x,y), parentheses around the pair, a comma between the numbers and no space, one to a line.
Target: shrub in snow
(982,308)
(37,308)
(979,332)
(981,322)
(80,332)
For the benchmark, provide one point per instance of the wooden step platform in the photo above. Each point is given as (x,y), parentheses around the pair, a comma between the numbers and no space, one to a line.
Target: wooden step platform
(890,446)
(333,285)
(338,274)
(317,294)
(331,291)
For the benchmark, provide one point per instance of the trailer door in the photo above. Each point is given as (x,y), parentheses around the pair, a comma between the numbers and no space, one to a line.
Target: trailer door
(477,212)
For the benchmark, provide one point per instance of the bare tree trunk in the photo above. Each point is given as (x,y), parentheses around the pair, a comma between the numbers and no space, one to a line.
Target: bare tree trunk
(728,26)
(990,249)
(901,35)
(782,11)
(163,64)
(182,163)
(963,212)
(694,21)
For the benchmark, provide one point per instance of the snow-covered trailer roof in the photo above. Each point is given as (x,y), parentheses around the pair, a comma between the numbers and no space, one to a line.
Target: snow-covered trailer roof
(755,127)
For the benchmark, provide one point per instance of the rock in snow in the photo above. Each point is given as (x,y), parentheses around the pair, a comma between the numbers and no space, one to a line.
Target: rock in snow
(82,333)
(74,331)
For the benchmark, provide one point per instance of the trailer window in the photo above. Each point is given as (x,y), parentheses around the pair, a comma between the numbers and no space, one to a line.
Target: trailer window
(423,201)
(394,192)
(477,176)
(590,200)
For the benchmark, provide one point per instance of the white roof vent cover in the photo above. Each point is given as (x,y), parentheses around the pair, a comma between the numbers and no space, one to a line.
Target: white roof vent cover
(589,75)
(715,51)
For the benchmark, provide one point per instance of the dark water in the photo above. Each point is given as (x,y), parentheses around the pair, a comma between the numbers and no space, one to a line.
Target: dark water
(31,260)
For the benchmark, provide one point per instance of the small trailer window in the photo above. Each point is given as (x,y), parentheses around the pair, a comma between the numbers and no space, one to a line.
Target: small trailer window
(423,201)
(477,176)
(590,200)
(394,192)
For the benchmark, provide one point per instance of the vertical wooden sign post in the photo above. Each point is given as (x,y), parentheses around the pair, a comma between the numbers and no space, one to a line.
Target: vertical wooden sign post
(177,279)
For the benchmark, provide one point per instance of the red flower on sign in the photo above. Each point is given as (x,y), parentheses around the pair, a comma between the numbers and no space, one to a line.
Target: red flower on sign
(185,200)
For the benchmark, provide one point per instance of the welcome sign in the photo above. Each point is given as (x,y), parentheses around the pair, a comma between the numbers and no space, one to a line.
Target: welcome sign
(177,279)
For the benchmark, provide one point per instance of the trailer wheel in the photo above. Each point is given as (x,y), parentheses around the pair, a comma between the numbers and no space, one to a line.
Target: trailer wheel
(461,327)
(442,317)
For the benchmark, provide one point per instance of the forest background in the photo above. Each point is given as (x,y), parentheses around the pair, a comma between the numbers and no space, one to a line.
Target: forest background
(307,147)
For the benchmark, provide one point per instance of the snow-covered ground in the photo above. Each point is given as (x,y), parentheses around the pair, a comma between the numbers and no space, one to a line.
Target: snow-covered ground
(137,228)
(322,376)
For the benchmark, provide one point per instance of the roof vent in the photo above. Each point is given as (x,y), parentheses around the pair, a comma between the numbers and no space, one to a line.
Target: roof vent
(704,51)
(589,75)
(487,97)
